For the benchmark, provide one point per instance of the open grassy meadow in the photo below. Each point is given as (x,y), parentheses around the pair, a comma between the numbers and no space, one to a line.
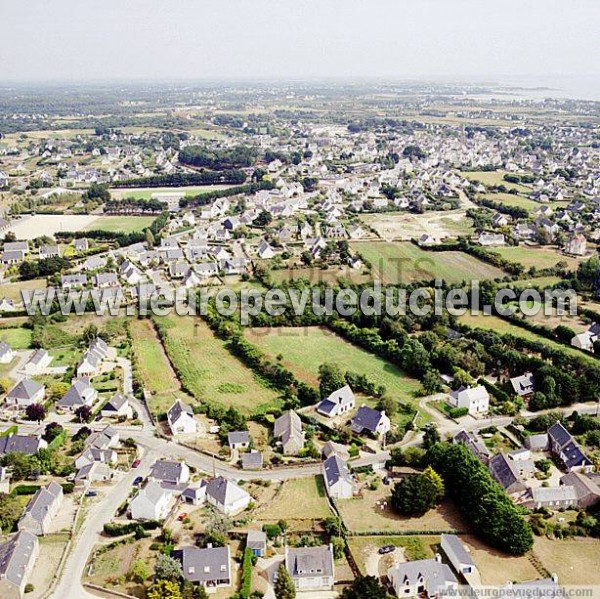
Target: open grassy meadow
(515,201)
(305,349)
(121,224)
(539,257)
(145,193)
(395,263)
(489,178)
(569,558)
(498,325)
(208,369)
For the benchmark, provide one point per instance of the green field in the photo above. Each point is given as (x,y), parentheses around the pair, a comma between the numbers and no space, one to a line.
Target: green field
(515,201)
(121,224)
(305,349)
(494,323)
(17,338)
(488,178)
(145,193)
(395,263)
(540,257)
(208,369)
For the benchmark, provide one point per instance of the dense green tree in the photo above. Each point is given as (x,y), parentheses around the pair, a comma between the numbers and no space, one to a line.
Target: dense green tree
(414,495)
(167,568)
(365,587)
(284,585)
(330,378)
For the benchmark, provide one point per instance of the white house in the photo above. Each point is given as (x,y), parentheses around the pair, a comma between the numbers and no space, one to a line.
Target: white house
(181,419)
(18,554)
(371,421)
(457,554)
(475,399)
(338,402)
(7,355)
(338,479)
(226,496)
(151,503)
(171,472)
(425,577)
(41,509)
(117,407)
(80,394)
(25,393)
(37,364)
(311,568)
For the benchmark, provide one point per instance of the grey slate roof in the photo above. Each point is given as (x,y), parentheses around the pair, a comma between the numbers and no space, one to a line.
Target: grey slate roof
(308,562)
(236,437)
(203,565)
(27,444)
(42,500)
(166,470)
(503,470)
(336,469)
(16,555)
(430,569)
(366,418)
(256,539)
(463,556)
(26,389)
(116,403)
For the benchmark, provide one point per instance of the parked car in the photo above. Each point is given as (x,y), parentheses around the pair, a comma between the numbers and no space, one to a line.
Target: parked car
(182,516)
(386,480)
(91,493)
(387,549)
(138,480)
(136,463)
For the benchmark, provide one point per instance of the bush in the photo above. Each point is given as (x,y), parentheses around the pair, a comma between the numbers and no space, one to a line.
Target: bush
(29,588)
(115,529)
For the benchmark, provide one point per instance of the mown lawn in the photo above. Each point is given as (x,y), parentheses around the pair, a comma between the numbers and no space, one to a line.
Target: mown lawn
(19,338)
(395,263)
(508,199)
(298,499)
(208,369)
(304,349)
(121,224)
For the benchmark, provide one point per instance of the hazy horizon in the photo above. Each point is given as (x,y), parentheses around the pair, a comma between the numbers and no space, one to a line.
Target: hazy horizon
(531,43)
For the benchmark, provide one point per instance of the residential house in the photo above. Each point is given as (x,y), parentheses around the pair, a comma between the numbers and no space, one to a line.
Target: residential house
(80,394)
(41,509)
(368,420)
(587,339)
(256,541)
(238,439)
(153,502)
(48,251)
(27,444)
(476,446)
(17,558)
(332,448)
(7,355)
(105,280)
(311,568)
(576,245)
(551,497)
(226,496)
(25,393)
(209,567)
(252,460)
(181,419)
(339,482)
(458,556)
(91,455)
(107,438)
(487,239)
(539,442)
(69,282)
(170,471)
(339,402)
(117,407)
(564,446)
(504,471)
(523,385)
(586,490)
(475,399)
(37,364)
(422,578)
(288,429)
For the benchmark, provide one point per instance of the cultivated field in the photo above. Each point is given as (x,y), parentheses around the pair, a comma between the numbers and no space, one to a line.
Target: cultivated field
(121,224)
(19,338)
(154,366)
(305,349)
(536,282)
(515,201)
(395,263)
(209,370)
(13,290)
(405,226)
(318,275)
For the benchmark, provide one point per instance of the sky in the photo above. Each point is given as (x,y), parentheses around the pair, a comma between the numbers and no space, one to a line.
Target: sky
(94,40)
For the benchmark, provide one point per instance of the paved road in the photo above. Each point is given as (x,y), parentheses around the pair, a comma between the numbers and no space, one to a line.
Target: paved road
(100,512)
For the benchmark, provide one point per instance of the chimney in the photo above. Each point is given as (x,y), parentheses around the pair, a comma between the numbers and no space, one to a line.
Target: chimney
(554,577)
(209,546)
(438,558)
